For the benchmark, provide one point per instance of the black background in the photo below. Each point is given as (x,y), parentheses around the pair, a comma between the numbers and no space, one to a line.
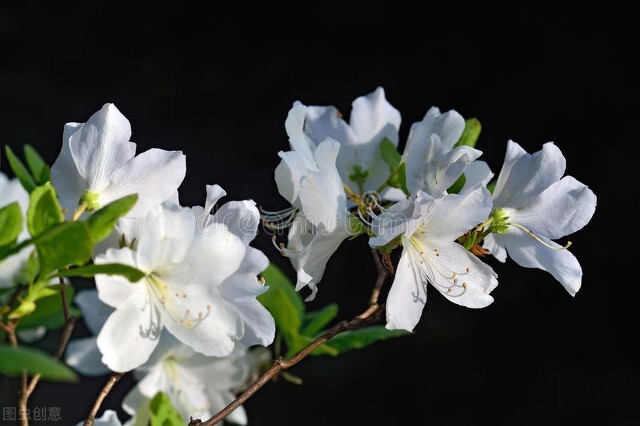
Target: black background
(218,82)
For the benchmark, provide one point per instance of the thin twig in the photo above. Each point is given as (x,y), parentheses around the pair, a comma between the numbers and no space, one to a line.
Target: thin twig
(372,314)
(10,331)
(103,394)
(63,297)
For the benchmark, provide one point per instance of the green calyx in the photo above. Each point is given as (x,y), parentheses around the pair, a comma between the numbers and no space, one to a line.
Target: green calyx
(500,221)
(89,199)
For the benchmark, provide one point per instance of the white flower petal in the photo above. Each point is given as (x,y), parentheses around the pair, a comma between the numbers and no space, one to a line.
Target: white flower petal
(154,175)
(374,118)
(83,356)
(130,334)
(448,127)
(257,324)
(392,222)
(453,215)
(299,141)
(321,194)
(495,244)
(165,237)
(200,321)
(313,258)
(100,146)
(115,289)
(524,176)
(529,253)
(65,176)
(473,279)
(407,296)
(214,193)
(476,173)
(133,401)
(324,122)
(289,174)
(31,335)
(563,208)
(241,218)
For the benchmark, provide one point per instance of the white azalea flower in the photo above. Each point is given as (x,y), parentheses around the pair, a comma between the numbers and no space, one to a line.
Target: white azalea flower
(311,183)
(427,228)
(11,191)
(197,386)
(109,418)
(534,205)
(201,284)
(372,119)
(98,165)
(433,164)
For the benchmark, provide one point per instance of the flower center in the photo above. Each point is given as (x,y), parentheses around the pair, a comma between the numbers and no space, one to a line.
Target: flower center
(173,303)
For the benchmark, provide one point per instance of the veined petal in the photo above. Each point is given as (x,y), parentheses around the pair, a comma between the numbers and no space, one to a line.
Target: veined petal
(241,218)
(451,216)
(324,122)
(214,193)
(130,334)
(165,237)
(114,290)
(563,208)
(65,176)
(313,258)
(374,118)
(448,127)
(299,141)
(407,296)
(524,176)
(200,321)
(460,276)
(495,244)
(391,223)
(94,312)
(100,146)
(476,173)
(451,167)
(256,324)
(83,356)
(321,194)
(154,175)
(562,264)
(289,174)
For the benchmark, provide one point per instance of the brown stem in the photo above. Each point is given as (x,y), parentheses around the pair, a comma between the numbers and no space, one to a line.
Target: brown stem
(372,314)
(103,394)
(63,298)
(10,331)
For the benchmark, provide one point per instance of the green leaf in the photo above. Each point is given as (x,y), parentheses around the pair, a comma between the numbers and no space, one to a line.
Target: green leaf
(10,224)
(65,244)
(44,210)
(25,308)
(298,342)
(14,360)
(39,169)
(471,133)
(390,154)
(129,272)
(316,321)
(101,222)
(48,312)
(358,339)
(21,172)
(457,185)
(282,300)
(163,413)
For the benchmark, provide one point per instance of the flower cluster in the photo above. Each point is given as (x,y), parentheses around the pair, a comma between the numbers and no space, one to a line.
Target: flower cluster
(177,287)
(436,201)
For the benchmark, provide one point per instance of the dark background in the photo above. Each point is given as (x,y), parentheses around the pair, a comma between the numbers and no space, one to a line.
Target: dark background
(217,83)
